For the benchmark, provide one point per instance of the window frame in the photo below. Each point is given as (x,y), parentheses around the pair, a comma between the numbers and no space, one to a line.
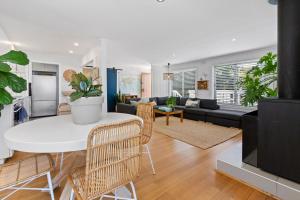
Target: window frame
(183,71)
(252,61)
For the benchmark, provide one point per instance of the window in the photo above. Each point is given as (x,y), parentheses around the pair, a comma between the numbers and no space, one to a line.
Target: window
(184,84)
(226,77)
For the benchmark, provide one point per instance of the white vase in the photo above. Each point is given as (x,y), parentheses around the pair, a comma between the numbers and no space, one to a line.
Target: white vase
(87,110)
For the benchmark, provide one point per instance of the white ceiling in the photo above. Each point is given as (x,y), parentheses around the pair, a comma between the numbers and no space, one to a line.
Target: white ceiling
(141,31)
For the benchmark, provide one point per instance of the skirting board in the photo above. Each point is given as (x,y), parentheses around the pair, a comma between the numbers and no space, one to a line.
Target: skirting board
(230,163)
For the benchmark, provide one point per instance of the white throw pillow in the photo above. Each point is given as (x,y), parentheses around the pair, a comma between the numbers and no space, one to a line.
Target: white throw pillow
(192,103)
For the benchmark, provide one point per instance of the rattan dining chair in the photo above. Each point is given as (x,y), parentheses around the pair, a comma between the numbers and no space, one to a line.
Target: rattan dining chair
(17,175)
(145,111)
(113,160)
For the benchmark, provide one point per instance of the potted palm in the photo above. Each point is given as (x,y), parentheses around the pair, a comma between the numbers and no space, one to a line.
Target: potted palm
(9,79)
(86,101)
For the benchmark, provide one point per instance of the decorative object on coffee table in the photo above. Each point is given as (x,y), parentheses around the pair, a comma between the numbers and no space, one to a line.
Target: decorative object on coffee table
(171,102)
(168,114)
(86,101)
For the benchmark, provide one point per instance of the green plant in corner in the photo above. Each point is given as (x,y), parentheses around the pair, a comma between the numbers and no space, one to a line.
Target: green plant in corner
(9,79)
(118,97)
(83,87)
(171,102)
(259,81)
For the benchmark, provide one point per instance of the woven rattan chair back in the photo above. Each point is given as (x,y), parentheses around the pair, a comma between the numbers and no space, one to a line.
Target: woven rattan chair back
(113,157)
(145,111)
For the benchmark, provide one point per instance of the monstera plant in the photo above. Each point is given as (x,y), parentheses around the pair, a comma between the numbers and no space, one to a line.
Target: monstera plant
(9,79)
(259,81)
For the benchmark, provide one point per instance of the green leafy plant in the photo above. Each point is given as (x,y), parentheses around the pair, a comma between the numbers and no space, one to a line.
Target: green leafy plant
(171,102)
(258,81)
(83,87)
(119,97)
(9,79)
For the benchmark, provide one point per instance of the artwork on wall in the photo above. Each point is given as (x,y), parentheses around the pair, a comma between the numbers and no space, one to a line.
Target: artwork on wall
(202,85)
(129,83)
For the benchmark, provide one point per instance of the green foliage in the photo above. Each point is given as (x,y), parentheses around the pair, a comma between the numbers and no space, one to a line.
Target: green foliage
(118,97)
(258,81)
(8,79)
(83,87)
(171,102)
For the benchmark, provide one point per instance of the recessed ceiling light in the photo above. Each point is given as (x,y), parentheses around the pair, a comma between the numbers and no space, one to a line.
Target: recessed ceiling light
(160,1)
(71,52)
(233,39)
(76,44)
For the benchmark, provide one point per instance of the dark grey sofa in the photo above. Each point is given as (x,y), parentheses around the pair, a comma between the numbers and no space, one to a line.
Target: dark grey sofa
(208,111)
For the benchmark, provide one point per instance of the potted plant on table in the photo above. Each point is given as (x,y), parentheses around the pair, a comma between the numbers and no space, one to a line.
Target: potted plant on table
(9,79)
(86,101)
(171,102)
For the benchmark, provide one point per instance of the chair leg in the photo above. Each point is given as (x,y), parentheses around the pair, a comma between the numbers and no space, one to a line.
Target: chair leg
(72,195)
(133,190)
(150,158)
(50,185)
(61,162)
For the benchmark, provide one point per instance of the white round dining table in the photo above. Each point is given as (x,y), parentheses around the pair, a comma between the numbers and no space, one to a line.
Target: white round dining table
(56,134)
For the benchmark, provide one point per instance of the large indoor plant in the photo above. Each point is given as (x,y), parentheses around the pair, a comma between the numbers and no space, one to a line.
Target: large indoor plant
(260,81)
(86,101)
(9,79)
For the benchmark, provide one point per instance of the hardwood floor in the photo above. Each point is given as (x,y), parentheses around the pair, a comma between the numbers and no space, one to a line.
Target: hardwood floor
(183,172)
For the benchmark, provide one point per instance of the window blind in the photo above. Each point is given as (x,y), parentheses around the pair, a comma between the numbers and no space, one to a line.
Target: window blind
(226,79)
(184,84)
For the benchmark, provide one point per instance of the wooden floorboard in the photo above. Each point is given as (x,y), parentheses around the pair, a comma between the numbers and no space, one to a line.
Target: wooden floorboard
(183,172)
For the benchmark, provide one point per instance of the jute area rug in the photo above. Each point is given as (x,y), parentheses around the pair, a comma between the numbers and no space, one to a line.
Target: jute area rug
(197,133)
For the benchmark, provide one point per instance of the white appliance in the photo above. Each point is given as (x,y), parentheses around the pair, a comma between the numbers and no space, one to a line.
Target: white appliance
(44,94)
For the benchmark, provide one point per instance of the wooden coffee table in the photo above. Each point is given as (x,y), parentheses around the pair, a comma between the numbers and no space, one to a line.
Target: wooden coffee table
(168,114)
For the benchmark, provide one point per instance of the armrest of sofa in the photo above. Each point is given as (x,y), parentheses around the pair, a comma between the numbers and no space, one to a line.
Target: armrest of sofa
(126,108)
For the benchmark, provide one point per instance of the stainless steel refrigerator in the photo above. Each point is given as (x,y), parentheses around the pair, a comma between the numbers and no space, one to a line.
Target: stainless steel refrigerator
(44,93)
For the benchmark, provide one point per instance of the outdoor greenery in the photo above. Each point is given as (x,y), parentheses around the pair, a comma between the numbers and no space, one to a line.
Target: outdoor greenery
(258,81)
(171,102)
(9,79)
(83,87)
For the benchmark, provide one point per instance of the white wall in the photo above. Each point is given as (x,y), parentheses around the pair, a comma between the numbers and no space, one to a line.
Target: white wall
(4,47)
(64,62)
(159,86)
(205,66)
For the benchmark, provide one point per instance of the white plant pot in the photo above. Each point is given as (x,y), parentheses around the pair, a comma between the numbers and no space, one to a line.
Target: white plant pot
(87,110)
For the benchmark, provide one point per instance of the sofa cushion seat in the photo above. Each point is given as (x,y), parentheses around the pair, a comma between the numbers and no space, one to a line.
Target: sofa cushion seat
(227,114)
(196,111)
(179,107)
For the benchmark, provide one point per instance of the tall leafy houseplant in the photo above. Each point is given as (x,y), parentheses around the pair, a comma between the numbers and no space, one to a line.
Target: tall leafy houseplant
(9,79)
(83,87)
(258,82)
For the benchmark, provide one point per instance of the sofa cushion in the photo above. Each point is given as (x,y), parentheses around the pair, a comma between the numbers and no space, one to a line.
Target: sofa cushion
(196,111)
(227,114)
(162,100)
(151,99)
(177,101)
(179,107)
(190,103)
(183,101)
(127,101)
(209,104)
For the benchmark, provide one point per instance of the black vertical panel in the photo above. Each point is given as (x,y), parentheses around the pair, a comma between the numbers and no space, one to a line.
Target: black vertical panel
(279,137)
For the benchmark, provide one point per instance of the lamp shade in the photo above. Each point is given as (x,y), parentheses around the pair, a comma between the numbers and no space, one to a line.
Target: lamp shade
(168,76)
